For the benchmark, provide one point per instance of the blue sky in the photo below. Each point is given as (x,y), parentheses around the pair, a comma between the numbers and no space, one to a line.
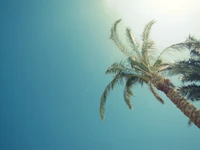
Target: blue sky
(53,58)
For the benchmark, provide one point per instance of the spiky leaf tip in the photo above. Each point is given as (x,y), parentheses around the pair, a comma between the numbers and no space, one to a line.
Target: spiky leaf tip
(114,28)
(156,94)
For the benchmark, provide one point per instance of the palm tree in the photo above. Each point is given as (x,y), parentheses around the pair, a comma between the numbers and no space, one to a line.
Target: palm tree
(142,67)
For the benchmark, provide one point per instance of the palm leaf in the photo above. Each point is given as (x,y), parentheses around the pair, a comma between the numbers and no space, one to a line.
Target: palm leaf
(184,67)
(114,36)
(147,42)
(191,77)
(135,63)
(188,44)
(127,91)
(116,68)
(156,94)
(194,53)
(117,79)
(159,65)
(175,47)
(133,43)
(192,42)
(191,91)
(139,67)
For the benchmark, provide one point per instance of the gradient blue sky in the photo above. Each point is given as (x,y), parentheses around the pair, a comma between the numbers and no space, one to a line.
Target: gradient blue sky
(53,57)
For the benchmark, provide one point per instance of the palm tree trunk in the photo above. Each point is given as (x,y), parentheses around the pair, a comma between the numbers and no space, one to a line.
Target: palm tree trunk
(184,105)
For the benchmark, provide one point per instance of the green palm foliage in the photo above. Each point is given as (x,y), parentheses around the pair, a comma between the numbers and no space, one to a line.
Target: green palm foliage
(189,70)
(143,66)
(137,68)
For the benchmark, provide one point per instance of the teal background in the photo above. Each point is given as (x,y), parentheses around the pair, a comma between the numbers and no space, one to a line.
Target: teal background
(53,57)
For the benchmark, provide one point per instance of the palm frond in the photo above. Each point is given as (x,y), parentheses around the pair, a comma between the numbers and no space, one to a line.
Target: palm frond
(191,77)
(114,36)
(139,68)
(131,39)
(134,45)
(188,44)
(175,47)
(195,53)
(131,80)
(156,94)
(137,65)
(146,32)
(159,65)
(185,68)
(192,42)
(179,47)
(147,42)
(116,68)
(152,54)
(191,91)
(117,79)
(127,91)
(114,28)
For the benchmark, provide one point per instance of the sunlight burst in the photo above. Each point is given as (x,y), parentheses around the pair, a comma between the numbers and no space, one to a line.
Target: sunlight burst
(153,8)
(172,6)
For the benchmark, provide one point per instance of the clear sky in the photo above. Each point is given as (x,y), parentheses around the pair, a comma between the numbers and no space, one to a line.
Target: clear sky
(53,57)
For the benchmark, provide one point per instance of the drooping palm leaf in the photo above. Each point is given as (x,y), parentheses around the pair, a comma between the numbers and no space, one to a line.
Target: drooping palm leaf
(127,91)
(111,85)
(156,94)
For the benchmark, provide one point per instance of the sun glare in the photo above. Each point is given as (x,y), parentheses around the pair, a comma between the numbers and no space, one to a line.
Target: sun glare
(153,8)
(172,16)
(172,6)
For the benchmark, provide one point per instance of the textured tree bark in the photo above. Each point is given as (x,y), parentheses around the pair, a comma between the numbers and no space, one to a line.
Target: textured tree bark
(184,105)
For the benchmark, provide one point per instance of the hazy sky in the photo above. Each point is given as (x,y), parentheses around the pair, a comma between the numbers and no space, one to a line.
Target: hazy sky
(54,54)
(175,18)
